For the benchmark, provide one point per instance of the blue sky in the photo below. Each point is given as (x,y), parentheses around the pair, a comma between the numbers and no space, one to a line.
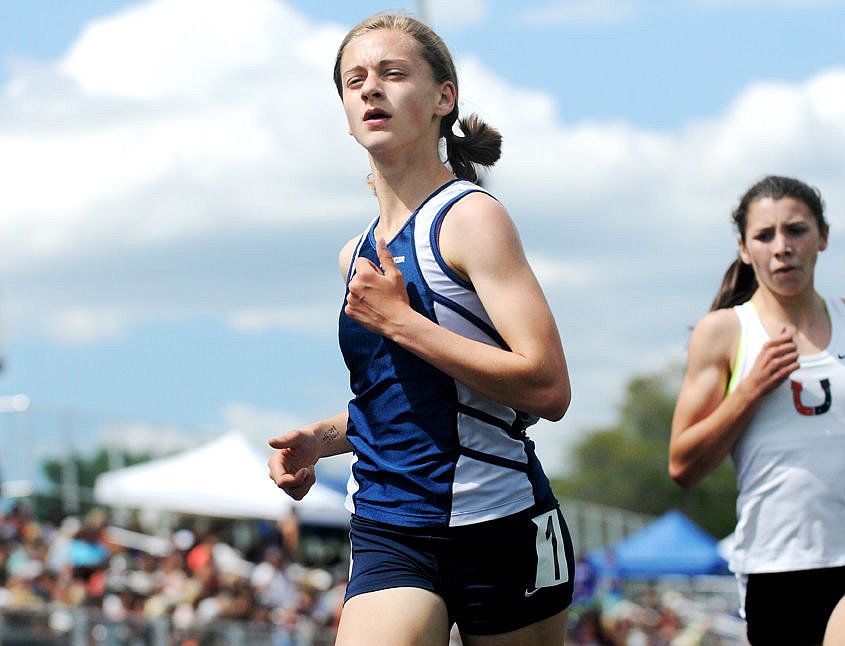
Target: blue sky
(177,182)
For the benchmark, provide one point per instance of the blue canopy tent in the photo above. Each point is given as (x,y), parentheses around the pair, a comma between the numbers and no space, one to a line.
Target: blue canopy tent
(670,545)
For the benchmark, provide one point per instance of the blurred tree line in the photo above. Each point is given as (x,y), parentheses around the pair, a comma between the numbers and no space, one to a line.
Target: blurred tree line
(51,504)
(626,465)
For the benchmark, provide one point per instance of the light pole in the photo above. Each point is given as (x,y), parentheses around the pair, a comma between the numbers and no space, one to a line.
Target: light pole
(422,11)
(14,488)
(70,474)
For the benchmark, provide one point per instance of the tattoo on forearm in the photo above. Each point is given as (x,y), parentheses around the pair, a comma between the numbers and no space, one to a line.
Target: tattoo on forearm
(330,434)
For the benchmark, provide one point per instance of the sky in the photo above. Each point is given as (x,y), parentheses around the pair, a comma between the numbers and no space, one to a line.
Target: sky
(176,180)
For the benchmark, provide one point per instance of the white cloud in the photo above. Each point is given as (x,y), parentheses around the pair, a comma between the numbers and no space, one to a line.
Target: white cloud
(82,325)
(141,437)
(320,319)
(553,272)
(167,48)
(614,172)
(259,424)
(448,13)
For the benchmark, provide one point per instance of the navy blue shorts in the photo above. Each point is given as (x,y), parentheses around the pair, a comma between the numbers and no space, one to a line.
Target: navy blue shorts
(494,577)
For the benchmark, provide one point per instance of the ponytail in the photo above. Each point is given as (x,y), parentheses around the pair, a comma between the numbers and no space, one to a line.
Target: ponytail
(738,285)
(480,144)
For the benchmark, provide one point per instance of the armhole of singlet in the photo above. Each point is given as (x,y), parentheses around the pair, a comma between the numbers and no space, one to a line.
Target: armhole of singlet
(740,350)
(350,272)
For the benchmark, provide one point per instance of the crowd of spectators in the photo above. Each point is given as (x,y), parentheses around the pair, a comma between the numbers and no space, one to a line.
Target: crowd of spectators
(192,578)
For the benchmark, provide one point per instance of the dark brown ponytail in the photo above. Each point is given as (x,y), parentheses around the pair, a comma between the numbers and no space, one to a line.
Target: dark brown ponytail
(480,144)
(738,284)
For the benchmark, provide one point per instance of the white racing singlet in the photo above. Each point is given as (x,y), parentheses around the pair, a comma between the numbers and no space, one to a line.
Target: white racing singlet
(790,461)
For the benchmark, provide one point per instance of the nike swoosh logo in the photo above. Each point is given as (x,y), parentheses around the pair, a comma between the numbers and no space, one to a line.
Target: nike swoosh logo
(531,593)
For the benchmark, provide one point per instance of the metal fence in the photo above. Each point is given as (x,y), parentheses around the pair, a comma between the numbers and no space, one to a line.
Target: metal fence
(87,627)
(592,525)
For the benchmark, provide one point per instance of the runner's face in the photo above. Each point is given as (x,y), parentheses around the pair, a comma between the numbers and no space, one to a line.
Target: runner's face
(782,241)
(389,95)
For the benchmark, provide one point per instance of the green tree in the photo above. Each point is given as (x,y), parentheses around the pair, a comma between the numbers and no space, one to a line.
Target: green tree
(626,465)
(51,505)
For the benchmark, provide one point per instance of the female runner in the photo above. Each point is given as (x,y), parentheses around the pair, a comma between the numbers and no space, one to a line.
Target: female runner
(452,352)
(765,383)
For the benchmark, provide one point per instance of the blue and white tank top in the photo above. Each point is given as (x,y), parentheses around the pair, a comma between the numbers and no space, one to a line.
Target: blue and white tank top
(429,451)
(790,461)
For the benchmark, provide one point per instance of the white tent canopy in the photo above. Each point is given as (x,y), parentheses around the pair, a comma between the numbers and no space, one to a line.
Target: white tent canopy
(225,478)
